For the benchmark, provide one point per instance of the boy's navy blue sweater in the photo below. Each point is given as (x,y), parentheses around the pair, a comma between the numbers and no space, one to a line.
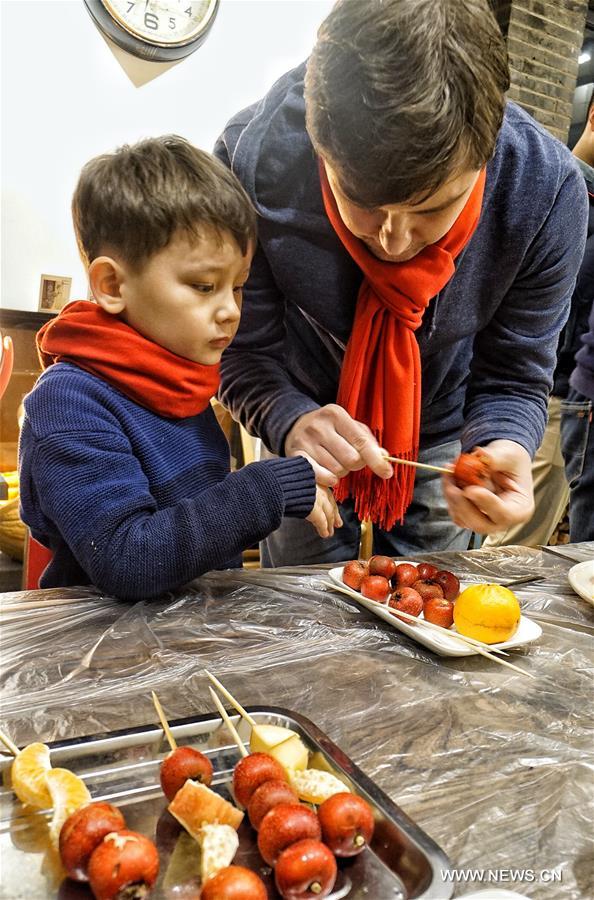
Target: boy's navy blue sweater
(488,341)
(137,504)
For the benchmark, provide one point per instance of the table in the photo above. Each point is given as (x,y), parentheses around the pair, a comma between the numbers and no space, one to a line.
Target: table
(495,767)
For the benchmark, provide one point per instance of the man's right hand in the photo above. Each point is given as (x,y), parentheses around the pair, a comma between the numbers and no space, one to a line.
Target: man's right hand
(335,444)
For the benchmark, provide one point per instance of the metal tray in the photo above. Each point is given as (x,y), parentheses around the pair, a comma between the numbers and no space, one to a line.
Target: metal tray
(123,768)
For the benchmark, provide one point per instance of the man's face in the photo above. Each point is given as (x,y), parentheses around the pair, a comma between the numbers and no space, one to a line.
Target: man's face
(187,297)
(396,233)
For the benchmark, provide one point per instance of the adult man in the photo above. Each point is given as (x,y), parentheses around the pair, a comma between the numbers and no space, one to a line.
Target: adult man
(403,189)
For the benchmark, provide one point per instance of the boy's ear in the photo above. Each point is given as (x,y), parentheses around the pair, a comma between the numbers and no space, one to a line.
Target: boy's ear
(105,280)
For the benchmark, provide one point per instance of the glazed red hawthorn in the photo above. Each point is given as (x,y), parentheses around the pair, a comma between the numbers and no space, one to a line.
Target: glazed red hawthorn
(439,611)
(375,587)
(405,575)
(234,883)
(448,582)
(353,573)
(284,825)
(347,824)
(252,771)
(382,565)
(125,864)
(82,832)
(181,764)
(426,570)
(428,589)
(472,468)
(306,869)
(268,795)
(408,600)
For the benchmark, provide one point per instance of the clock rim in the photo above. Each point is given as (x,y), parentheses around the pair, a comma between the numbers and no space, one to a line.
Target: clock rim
(116,30)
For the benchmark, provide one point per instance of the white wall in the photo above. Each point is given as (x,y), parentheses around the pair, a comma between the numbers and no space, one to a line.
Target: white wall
(66,98)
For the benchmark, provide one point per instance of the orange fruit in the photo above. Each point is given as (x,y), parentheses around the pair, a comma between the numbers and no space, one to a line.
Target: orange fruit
(27,775)
(487,612)
(68,793)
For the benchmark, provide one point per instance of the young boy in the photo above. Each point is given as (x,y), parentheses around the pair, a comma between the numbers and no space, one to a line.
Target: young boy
(124,471)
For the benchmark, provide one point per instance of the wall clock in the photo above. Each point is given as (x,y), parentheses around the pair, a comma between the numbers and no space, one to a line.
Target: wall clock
(156,30)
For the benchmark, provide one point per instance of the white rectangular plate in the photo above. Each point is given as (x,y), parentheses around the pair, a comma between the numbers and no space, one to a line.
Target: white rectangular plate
(581,578)
(527,632)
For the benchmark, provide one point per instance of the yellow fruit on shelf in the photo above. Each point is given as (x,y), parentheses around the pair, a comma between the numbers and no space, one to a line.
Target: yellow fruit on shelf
(487,612)
(68,793)
(28,775)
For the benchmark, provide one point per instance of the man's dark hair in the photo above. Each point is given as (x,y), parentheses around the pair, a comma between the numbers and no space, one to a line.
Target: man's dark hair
(134,200)
(402,94)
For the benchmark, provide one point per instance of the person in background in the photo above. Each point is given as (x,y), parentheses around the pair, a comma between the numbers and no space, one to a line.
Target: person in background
(124,470)
(577,433)
(419,240)
(551,488)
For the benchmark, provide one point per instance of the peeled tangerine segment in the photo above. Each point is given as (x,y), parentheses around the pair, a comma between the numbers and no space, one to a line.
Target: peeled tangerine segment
(264,737)
(218,846)
(68,793)
(28,773)
(315,786)
(195,805)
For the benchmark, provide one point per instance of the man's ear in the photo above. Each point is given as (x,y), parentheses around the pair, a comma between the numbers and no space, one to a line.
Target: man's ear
(105,280)
(591,116)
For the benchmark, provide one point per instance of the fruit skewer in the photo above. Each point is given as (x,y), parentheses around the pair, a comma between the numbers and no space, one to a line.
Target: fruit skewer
(469,642)
(418,465)
(235,703)
(164,723)
(9,744)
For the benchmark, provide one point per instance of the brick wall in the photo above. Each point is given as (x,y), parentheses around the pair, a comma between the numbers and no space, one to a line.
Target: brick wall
(544,39)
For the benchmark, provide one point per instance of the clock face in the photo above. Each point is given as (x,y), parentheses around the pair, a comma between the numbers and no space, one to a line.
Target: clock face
(167,23)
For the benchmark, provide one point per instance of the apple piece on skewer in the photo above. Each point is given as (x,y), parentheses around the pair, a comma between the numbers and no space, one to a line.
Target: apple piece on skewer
(264,737)
(314,785)
(292,754)
(218,846)
(196,805)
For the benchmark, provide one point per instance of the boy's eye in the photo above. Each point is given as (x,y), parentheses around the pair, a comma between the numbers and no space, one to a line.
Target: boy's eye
(203,288)
(238,288)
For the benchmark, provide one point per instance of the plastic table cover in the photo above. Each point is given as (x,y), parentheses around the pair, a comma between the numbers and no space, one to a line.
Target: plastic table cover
(495,767)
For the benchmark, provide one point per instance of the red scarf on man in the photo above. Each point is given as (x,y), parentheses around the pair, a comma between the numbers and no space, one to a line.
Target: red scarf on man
(380,381)
(103,344)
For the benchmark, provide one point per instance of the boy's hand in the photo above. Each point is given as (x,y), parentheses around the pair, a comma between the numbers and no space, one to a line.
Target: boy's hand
(335,444)
(510,502)
(324,516)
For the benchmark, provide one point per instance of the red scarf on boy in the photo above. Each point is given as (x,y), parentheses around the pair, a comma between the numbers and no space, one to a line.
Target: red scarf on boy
(103,344)
(380,381)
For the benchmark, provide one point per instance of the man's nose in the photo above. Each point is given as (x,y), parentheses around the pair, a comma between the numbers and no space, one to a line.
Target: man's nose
(395,236)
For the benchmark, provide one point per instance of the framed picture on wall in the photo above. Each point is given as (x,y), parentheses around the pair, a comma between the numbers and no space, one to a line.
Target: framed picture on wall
(54,292)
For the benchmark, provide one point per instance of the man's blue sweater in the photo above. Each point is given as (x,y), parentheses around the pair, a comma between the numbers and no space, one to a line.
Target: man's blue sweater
(488,341)
(135,503)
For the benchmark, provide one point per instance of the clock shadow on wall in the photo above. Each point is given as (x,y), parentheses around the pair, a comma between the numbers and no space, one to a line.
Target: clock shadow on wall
(147,37)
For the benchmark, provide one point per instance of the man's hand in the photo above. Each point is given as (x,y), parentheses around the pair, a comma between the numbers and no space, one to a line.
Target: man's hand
(324,516)
(335,444)
(510,501)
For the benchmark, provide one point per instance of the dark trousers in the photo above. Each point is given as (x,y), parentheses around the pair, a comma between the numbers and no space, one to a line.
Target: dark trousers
(577,445)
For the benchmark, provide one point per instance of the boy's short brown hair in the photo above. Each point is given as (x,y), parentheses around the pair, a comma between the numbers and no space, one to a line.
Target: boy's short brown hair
(402,94)
(132,201)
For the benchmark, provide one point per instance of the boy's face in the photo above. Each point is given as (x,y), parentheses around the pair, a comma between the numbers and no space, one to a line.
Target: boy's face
(187,297)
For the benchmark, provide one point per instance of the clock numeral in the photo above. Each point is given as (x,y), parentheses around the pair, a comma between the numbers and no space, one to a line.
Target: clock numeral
(188,11)
(171,23)
(130,6)
(151,21)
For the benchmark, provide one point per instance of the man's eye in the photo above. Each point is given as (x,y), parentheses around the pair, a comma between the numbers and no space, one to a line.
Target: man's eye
(203,288)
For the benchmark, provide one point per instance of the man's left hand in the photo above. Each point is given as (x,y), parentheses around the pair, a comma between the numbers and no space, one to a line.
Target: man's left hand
(511,499)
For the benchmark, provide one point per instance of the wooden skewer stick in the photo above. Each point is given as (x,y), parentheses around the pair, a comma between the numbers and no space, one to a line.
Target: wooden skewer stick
(418,465)
(228,722)
(9,744)
(235,703)
(164,723)
(469,642)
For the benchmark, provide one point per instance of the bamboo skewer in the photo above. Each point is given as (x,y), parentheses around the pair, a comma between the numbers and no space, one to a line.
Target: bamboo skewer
(235,703)
(164,723)
(228,722)
(9,744)
(469,642)
(418,465)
